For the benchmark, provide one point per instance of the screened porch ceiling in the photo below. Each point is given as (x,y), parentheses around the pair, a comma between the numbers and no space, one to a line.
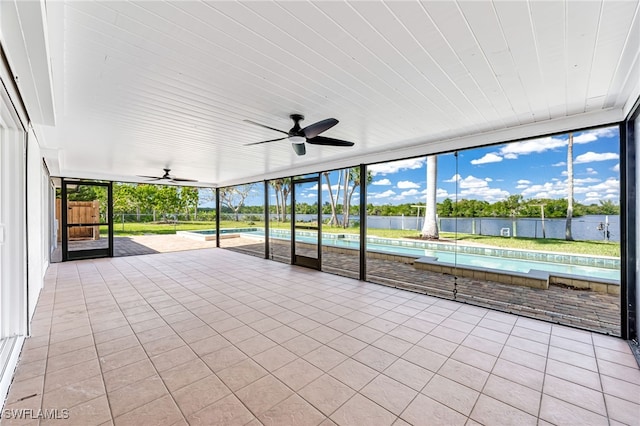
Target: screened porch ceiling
(140,86)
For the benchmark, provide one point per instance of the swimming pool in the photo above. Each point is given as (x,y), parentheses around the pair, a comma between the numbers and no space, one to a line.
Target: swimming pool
(461,255)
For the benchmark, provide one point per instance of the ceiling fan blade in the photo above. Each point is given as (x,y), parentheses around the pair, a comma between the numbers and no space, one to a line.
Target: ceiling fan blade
(321,140)
(266,127)
(299,148)
(270,140)
(150,177)
(175,179)
(313,130)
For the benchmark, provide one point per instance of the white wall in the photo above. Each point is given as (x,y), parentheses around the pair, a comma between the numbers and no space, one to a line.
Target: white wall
(38,219)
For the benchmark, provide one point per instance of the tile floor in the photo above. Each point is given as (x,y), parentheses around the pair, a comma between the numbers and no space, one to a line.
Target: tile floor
(216,337)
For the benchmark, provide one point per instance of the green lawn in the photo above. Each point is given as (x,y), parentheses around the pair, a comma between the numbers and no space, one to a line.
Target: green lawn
(596,248)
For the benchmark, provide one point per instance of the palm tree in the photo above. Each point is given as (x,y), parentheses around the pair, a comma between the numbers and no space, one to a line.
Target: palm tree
(430,227)
(567,230)
(332,199)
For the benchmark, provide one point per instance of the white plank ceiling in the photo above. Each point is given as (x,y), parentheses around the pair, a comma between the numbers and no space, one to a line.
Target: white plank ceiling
(144,85)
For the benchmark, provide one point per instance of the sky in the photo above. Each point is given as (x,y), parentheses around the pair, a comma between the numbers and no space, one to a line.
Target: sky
(534,168)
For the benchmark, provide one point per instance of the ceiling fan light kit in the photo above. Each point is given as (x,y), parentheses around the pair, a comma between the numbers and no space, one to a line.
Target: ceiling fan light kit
(298,136)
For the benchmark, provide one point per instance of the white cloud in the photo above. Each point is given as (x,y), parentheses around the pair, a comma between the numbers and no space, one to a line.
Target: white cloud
(585,180)
(381,182)
(454,178)
(524,182)
(406,184)
(473,182)
(488,158)
(384,194)
(522,186)
(594,156)
(442,193)
(396,166)
(591,171)
(488,179)
(485,193)
(410,192)
(616,168)
(591,194)
(513,150)
(593,135)
(560,164)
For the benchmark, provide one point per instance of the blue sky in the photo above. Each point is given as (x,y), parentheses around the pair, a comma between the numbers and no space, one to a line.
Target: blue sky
(535,168)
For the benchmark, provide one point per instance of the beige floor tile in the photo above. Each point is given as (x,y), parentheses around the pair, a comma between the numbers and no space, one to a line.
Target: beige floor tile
(465,374)
(375,358)
(452,394)
(325,358)
(242,374)
(622,410)
(135,395)
(74,394)
(239,334)
(489,411)
(622,372)
(116,345)
(93,412)
(72,345)
(424,358)
(575,394)
(263,394)
(483,345)
(131,373)
(185,374)
(409,374)
(393,345)
(559,412)
(366,334)
(122,358)
(274,358)
(162,411)
(70,375)
(198,395)
(326,394)
(347,345)
(437,345)
(474,358)
(388,393)
(228,411)
(524,358)
(324,334)
(424,411)
(255,345)
(297,374)
(621,389)
(293,411)
(301,345)
(362,411)
(172,358)
(155,333)
(198,333)
(165,344)
(514,394)
(224,358)
(25,389)
(353,373)
(588,378)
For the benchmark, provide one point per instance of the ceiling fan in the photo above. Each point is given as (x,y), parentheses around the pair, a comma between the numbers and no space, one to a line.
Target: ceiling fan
(298,136)
(168,177)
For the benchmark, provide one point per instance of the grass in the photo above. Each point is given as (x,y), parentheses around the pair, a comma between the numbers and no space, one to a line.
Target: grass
(595,248)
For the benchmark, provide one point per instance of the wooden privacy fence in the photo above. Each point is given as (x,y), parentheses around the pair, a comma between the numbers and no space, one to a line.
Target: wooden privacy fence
(80,212)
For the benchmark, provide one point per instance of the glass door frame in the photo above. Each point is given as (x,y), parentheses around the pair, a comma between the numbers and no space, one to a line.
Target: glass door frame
(64,228)
(296,259)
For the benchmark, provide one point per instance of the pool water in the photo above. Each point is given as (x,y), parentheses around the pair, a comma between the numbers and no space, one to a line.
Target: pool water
(453,256)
